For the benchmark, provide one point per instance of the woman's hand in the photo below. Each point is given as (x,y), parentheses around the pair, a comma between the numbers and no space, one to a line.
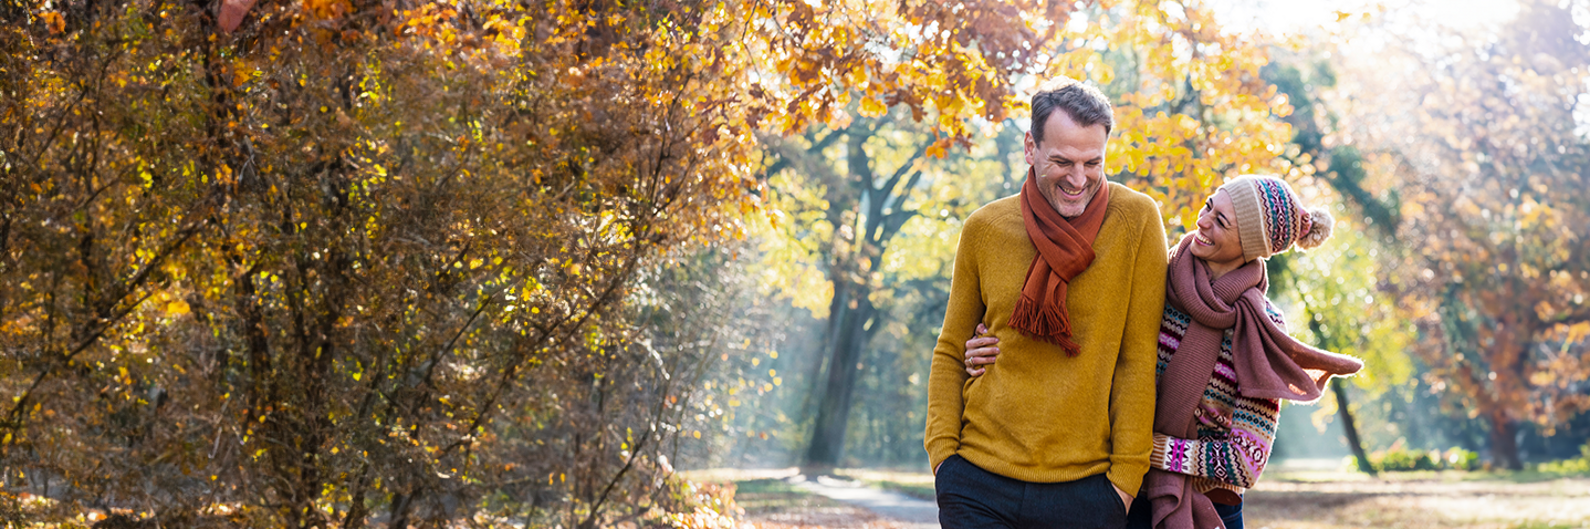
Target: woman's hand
(980,351)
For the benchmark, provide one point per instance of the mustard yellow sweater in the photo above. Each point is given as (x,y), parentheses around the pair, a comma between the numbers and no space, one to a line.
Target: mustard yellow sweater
(1037,415)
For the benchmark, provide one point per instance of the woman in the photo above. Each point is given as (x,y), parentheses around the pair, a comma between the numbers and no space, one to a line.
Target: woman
(1225,360)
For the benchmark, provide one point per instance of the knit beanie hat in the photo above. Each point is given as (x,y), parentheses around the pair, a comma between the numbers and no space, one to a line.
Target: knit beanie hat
(1271,217)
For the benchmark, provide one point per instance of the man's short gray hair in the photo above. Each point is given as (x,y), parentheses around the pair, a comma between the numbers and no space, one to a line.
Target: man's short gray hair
(1083,103)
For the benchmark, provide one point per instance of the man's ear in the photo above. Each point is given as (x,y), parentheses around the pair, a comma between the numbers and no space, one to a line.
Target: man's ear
(1029,148)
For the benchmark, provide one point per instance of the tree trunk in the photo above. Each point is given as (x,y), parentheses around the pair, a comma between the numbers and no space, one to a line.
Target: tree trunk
(837,308)
(1350,427)
(1504,443)
(401,503)
(833,411)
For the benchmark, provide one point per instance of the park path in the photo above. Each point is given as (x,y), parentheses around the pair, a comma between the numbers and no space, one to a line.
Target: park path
(911,512)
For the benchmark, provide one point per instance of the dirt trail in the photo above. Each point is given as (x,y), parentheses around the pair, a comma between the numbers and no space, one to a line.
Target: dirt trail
(910,512)
(783,499)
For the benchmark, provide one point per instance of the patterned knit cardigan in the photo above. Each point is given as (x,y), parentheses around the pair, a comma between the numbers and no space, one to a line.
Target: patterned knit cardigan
(1229,458)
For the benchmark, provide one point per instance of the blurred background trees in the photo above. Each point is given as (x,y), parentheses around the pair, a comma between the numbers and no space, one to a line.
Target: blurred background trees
(1487,155)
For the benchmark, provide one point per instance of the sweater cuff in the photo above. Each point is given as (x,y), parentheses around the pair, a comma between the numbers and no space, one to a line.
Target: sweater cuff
(1171,454)
(1128,477)
(938,452)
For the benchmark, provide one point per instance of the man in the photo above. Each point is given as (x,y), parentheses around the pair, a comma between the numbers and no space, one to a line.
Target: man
(1069,275)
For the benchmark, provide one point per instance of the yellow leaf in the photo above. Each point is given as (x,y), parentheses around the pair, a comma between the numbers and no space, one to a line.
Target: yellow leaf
(54,21)
(1578,331)
(872,107)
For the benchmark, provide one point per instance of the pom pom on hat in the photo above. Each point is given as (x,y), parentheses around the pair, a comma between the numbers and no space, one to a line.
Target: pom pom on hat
(1320,226)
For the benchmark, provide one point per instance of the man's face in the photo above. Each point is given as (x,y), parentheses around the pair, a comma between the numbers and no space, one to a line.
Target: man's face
(1069,164)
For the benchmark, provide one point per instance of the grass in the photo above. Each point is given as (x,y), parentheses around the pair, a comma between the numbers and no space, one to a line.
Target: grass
(1523,476)
(762,496)
(918,491)
(1418,500)
(1520,476)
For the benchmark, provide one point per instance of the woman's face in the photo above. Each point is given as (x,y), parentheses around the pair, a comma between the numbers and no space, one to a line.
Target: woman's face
(1216,240)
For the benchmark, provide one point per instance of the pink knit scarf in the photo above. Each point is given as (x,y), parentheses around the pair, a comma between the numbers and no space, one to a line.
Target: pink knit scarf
(1269,365)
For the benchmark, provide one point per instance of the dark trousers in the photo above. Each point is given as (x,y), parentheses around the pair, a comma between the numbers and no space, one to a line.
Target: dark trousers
(970,497)
(1141,517)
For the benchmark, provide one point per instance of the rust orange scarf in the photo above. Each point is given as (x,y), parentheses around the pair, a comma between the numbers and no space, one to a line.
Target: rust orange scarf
(1065,249)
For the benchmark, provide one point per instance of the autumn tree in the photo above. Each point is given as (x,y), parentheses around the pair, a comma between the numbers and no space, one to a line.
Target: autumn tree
(355,259)
(1488,155)
(846,196)
(862,209)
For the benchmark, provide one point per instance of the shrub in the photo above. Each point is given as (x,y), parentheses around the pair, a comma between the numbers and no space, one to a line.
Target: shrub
(1399,459)
(1577,465)
(1459,459)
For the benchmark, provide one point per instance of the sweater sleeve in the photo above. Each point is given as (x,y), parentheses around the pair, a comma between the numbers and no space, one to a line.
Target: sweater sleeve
(1132,390)
(1238,459)
(1239,455)
(946,377)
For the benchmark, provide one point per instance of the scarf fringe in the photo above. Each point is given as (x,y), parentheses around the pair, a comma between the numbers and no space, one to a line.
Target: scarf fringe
(1044,322)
